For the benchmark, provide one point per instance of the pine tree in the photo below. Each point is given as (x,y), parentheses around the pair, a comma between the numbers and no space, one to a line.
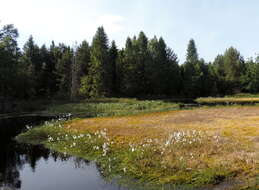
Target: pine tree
(192,54)
(173,74)
(31,57)
(64,68)
(158,67)
(143,60)
(99,79)
(120,74)
(9,55)
(129,69)
(234,68)
(80,68)
(220,75)
(49,74)
(113,53)
(191,71)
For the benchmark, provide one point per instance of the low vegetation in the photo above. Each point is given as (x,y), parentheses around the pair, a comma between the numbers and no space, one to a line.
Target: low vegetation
(242,98)
(227,101)
(188,148)
(95,107)
(111,107)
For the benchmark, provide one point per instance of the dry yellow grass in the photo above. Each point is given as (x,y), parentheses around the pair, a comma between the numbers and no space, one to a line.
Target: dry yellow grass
(212,100)
(198,147)
(238,122)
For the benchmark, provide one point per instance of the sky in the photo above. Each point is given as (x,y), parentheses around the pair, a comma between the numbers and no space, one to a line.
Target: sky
(215,25)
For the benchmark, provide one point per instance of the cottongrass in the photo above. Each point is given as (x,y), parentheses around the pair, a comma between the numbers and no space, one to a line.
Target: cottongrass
(181,144)
(180,154)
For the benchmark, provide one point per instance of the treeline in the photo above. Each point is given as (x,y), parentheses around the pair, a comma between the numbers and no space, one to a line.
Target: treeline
(144,67)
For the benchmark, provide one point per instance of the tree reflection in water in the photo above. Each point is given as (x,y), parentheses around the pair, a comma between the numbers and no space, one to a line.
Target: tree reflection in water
(14,156)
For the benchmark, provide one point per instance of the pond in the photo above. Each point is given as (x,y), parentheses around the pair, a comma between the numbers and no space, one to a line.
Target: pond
(28,167)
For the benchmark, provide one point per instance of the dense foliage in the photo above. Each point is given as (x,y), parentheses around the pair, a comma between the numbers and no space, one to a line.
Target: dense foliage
(144,67)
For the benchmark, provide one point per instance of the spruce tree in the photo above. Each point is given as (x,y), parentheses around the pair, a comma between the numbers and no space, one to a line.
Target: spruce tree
(234,67)
(81,67)
(9,55)
(158,67)
(31,57)
(128,86)
(100,68)
(173,77)
(113,54)
(143,60)
(64,68)
(220,75)
(190,71)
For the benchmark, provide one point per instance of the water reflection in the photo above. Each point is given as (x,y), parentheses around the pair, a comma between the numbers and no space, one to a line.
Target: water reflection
(26,167)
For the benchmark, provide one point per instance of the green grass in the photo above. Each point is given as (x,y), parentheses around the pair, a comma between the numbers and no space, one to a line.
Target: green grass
(96,107)
(111,107)
(227,101)
(243,95)
(241,98)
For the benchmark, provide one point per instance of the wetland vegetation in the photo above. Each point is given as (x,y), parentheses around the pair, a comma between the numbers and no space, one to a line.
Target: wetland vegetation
(190,148)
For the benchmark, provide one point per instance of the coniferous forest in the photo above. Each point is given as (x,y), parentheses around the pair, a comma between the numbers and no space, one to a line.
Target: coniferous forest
(143,68)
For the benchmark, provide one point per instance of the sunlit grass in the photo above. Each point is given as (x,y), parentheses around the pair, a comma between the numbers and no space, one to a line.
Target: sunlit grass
(190,147)
(228,100)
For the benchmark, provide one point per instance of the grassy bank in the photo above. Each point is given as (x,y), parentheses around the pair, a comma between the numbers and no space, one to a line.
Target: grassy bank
(94,107)
(111,107)
(241,99)
(191,148)
(227,101)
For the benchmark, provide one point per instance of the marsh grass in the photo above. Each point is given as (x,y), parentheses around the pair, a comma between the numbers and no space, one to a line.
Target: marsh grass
(228,100)
(189,158)
(112,107)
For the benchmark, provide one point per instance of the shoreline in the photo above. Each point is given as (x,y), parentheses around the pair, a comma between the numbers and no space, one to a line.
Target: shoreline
(158,156)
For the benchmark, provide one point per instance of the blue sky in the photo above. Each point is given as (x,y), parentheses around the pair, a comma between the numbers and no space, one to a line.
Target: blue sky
(214,24)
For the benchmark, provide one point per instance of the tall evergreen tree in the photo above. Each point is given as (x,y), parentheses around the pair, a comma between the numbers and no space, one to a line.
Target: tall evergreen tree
(48,81)
(64,68)
(143,60)
(113,53)
(81,67)
(120,74)
(31,57)
(192,54)
(98,82)
(135,66)
(234,67)
(127,68)
(190,74)
(163,71)
(156,67)
(9,55)
(220,75)
(173,74)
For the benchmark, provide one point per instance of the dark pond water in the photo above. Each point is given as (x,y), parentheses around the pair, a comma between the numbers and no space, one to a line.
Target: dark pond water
(36,168)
